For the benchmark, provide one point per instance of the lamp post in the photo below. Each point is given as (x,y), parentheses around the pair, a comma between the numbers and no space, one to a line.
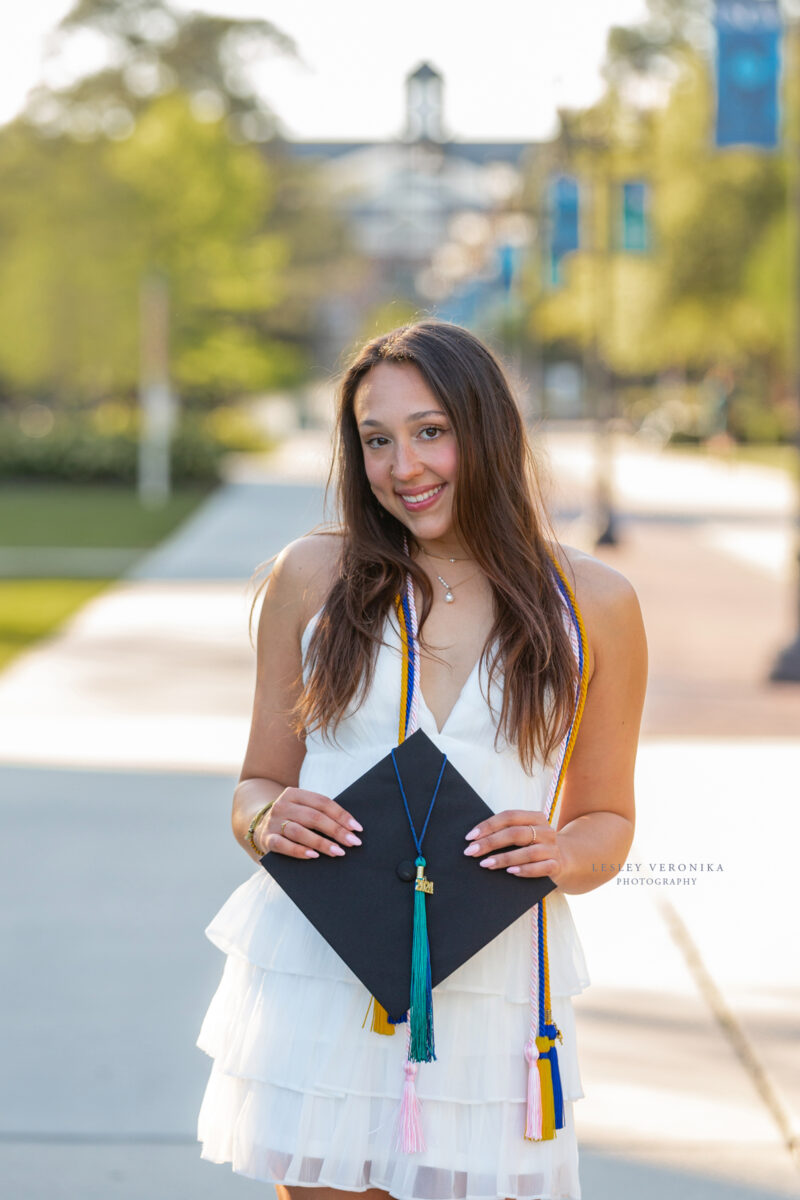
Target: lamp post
(596,367)
(155,396)
(786,668)
(605,397)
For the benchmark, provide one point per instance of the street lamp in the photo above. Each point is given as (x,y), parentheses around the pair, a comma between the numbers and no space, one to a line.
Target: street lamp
(786,668)
(596,367)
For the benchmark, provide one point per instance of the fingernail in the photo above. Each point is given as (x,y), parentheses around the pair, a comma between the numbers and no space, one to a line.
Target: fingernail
(513,870)
(475,848)
(352,840)
(337,850)
(472,834)
(353,824)
(488,862)
(311,854)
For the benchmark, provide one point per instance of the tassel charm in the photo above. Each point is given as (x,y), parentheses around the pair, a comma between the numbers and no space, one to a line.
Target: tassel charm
(422,884)
(409,1137)
(422,1047)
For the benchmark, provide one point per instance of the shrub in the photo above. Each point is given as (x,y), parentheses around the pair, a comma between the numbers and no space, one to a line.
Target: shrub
(73,449)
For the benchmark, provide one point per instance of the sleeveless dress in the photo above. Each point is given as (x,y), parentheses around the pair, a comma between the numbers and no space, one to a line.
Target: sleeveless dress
(301,1092)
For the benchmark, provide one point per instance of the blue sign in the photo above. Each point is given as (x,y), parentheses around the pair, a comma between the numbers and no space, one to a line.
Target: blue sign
(564,207)
(748,69)
(635,217)
(506,266)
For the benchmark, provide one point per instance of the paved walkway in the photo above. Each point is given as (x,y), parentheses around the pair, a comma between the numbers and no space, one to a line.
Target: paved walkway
(122,738)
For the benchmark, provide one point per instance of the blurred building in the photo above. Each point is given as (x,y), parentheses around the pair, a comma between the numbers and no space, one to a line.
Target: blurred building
(437,217)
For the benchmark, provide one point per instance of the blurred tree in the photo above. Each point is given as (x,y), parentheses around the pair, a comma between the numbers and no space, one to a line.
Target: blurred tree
(81,224)
(715,285)
(146,48)
(649,51)
(90,205)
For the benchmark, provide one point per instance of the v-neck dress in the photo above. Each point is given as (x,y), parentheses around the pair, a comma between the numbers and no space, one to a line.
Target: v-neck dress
(302,1093)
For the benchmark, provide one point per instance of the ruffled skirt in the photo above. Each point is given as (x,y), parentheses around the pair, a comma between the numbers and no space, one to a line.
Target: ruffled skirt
(302,1093)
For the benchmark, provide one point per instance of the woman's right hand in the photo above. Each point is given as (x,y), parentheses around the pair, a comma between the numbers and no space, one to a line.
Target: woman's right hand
(303,824)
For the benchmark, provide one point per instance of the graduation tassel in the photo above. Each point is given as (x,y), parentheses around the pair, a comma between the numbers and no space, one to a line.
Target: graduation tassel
(380,1022)
(547,1028)
(545,1096)
(533,1122)
(540,1111)
(409,1126)
(545,1101)
(558,1096)
(546,1080)
(422,1047)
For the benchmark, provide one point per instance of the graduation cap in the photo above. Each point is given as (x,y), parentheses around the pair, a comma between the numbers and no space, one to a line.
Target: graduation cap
(364,904)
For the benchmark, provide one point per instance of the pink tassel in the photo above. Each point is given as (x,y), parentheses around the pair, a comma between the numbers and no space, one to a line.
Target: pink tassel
(533,1122)
(409,1124)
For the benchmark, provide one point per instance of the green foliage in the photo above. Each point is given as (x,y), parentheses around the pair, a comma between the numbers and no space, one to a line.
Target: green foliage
(32,608)
(116,178)
(716,286)
(80,226)
(153,48)
(753,421)
(73,450)
(387,316)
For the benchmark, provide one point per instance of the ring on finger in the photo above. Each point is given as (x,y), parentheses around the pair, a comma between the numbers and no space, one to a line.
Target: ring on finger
(283,827)
(533,836)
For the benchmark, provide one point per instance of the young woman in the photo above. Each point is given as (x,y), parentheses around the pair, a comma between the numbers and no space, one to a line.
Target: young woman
(438,501)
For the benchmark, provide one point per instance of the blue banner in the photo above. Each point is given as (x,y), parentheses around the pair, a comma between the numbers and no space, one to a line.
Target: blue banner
(635,217)
(564,209)
(748,69)
(506,266)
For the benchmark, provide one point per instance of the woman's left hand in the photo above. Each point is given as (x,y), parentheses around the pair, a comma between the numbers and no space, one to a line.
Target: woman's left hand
(539,852)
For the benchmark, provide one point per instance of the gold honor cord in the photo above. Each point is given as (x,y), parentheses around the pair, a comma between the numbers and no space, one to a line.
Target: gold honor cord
(380,1022)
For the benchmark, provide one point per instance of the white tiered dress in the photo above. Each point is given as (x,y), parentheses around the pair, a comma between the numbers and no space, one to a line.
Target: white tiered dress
(301,1094)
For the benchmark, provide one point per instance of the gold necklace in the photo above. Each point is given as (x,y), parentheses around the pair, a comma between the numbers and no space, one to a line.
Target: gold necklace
(443,557)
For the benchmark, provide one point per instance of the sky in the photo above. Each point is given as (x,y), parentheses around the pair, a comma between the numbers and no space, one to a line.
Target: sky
(507,64)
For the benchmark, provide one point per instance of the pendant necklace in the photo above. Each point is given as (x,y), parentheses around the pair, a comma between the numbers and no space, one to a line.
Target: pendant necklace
(448,589)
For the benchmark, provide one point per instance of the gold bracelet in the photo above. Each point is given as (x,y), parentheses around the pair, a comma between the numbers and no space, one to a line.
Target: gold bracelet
(262,812)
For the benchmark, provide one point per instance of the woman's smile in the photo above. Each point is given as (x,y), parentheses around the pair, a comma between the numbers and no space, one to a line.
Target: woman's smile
(414,501)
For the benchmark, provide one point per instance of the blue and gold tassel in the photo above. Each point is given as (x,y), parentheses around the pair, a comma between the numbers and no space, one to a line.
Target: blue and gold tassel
(545,1101)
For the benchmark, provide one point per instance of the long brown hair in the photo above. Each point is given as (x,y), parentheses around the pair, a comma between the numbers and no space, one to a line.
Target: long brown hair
(499,518)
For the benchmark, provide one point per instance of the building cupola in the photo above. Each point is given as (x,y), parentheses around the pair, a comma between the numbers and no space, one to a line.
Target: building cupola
(424,104)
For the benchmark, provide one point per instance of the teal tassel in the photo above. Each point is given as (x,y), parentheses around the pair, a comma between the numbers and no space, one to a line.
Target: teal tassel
(421,1005)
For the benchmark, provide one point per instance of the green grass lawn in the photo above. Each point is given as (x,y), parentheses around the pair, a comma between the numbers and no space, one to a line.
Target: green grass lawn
(32,608)
(87,515)
(69,515)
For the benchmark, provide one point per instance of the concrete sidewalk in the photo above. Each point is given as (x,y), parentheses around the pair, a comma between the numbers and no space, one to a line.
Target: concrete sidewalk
(122,738)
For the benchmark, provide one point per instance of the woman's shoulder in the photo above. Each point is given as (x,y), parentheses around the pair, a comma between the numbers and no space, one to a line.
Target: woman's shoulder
(606,600)
(594,581)
(304,572)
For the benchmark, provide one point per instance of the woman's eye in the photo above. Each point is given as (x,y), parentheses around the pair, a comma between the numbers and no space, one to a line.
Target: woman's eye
(428,433)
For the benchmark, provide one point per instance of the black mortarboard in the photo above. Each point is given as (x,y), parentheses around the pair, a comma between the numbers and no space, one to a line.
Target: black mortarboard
(363,903)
